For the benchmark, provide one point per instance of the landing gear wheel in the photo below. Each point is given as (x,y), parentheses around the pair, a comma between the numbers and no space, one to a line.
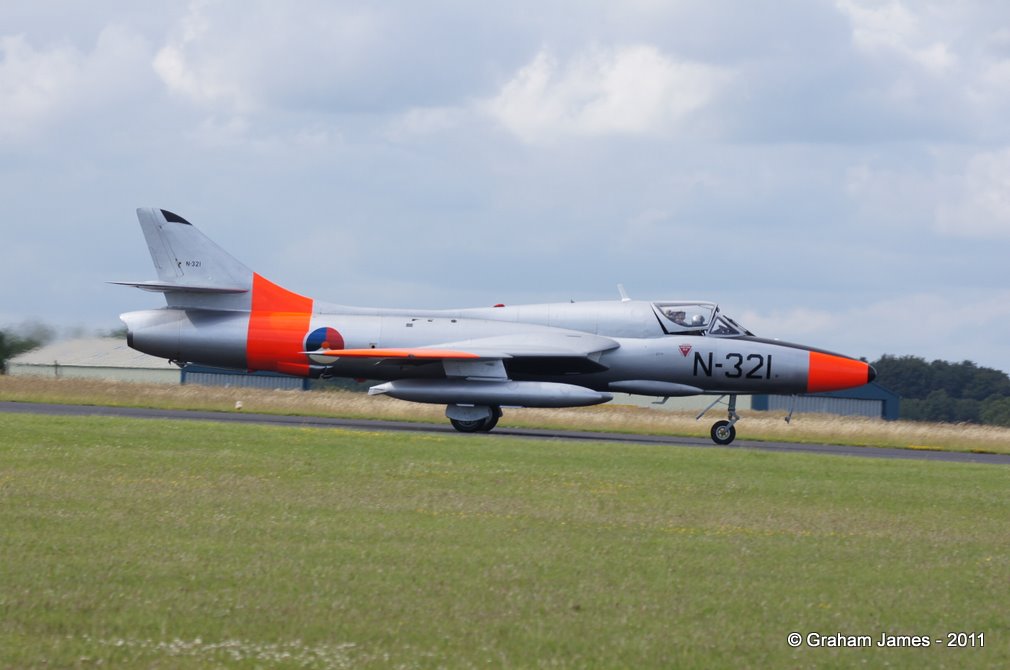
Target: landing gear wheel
(482,425)
(471,426)
(491,421)
(723,432)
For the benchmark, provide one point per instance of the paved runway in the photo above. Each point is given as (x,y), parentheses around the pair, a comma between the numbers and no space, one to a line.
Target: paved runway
(501,431)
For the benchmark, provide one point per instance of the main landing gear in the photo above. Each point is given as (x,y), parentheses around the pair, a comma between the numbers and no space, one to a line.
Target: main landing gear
(723,432)
(477,419)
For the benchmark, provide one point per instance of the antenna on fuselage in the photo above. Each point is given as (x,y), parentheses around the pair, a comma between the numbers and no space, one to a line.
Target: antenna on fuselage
(624,294)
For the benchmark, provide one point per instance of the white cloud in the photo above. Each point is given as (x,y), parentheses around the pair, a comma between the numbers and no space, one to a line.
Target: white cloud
(205,83)
(225,59)
(41,87)
(977,203)
(891,27)
(631,90)
(268,79)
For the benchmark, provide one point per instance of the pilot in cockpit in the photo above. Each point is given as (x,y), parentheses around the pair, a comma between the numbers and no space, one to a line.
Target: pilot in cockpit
(677,316)
(680,318)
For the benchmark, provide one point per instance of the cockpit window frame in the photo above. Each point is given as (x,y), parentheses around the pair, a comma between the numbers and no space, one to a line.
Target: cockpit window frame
(732,322)
(713,319)
(664,310)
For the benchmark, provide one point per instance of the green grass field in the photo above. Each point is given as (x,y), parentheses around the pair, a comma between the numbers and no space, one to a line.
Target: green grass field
(161,544)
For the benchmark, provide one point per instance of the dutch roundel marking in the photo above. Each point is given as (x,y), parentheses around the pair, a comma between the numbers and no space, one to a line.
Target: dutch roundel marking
(685,349)
(323,338)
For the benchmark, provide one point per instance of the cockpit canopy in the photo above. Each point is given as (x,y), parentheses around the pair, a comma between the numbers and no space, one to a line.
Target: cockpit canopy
(697,318)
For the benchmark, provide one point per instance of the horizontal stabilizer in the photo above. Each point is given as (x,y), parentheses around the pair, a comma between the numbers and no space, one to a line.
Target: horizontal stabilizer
(170,287)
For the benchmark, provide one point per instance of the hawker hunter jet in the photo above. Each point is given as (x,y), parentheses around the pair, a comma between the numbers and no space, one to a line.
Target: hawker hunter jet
(473,361)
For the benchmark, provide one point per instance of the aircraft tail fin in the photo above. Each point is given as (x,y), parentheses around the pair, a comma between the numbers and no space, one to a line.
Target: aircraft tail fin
(192,270)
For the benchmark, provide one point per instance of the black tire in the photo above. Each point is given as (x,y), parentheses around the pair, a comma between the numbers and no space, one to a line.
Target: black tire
(484,425)
(723,432)
(491,421)
(468,426)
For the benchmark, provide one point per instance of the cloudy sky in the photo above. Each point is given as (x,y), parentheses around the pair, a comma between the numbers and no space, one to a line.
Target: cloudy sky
(833,172)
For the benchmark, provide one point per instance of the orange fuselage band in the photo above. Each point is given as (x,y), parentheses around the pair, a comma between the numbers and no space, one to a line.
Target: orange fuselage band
(277,327)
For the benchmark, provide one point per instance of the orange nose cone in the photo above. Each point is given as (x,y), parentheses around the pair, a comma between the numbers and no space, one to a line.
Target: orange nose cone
(833,373)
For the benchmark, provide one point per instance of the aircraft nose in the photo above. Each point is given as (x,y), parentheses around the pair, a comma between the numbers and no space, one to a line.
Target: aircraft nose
(828,372)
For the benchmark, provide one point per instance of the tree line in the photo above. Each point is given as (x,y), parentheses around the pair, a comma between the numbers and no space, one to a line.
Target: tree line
(19,339)
(945,391)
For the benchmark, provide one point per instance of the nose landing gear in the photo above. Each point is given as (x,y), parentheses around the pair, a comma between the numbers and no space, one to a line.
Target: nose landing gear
(723,432)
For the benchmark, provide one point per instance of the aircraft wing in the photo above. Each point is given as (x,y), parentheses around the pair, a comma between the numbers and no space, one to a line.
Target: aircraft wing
(553,353)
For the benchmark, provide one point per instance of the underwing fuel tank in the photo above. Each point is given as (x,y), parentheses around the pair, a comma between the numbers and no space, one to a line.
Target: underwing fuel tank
(507,393)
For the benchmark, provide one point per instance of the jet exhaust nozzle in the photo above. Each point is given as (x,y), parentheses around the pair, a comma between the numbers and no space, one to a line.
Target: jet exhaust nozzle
(195,336)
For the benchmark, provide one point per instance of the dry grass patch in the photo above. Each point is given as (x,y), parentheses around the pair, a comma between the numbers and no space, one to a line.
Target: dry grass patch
(611,418)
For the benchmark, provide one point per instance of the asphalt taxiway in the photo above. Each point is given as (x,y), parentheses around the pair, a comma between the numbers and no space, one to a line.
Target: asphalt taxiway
(502,431)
